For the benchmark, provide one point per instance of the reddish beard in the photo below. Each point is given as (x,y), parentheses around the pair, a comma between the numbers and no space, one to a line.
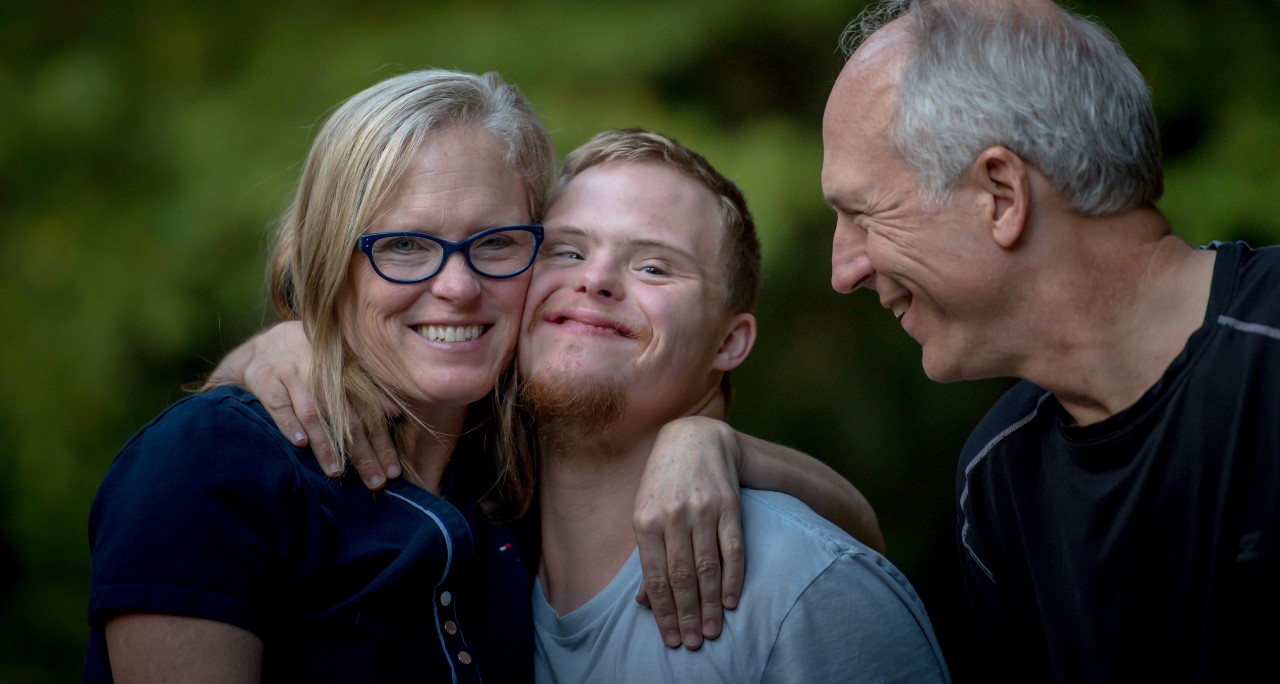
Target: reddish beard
(569,400)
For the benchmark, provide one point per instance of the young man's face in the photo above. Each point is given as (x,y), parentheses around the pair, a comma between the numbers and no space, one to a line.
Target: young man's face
(628,290)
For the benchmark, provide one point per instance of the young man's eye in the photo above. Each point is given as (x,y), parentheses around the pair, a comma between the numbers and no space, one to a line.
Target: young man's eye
(562,252)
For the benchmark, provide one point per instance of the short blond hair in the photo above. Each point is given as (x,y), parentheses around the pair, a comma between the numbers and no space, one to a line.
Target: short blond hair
(740,249)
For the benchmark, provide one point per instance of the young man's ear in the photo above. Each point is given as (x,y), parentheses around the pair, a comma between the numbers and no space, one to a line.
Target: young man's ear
(737,342)
(1003,178)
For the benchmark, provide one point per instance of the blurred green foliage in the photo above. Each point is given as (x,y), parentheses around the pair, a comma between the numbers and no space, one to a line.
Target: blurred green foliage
(145,148)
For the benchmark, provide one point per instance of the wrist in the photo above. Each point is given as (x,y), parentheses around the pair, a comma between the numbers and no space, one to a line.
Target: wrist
(727,438)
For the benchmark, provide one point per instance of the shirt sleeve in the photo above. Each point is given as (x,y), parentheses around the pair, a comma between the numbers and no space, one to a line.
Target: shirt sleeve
(859,620)
(195,516)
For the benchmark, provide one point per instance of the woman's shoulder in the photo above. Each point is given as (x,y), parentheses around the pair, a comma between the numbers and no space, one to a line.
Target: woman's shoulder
(224,433)
(221,414)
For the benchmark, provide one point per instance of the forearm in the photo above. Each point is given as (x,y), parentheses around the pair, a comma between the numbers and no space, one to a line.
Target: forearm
(276,355)
(766,465)
(231,369)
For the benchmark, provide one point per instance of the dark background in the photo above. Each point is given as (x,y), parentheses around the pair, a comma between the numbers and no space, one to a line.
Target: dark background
(145,148)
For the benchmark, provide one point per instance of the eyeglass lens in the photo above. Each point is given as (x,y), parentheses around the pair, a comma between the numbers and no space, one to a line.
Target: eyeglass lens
(497,254)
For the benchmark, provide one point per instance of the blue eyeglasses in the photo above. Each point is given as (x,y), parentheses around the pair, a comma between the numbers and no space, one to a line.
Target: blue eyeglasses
(414,257)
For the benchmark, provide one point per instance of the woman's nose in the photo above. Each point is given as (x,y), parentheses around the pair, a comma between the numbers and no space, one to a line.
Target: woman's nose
(456,282)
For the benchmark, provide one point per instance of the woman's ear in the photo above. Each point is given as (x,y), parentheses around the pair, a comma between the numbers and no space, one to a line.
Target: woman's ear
(737,342)
(1003,177)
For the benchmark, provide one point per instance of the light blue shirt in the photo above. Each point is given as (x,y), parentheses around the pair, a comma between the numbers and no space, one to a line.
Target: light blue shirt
(817,606)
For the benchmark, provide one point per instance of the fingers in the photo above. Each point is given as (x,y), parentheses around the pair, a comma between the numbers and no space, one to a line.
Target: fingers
(295,414)
(706,554)
(273,367)
(385,451)
(654,586)
(373,456)
(673,578)
(686,504)
(684,588)
(732,556)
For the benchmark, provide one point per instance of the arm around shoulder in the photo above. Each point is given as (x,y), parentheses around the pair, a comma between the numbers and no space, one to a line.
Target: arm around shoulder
(771,466)
(273,365)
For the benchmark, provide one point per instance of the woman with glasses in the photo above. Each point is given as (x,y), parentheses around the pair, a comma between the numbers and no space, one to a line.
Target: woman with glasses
(222,552)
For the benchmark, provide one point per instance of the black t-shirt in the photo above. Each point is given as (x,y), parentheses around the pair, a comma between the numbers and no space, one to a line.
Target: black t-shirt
(1142,547)
(209,512)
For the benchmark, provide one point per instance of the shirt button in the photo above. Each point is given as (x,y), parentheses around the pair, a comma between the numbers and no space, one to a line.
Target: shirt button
(464,657)
(446,598)
(451,627)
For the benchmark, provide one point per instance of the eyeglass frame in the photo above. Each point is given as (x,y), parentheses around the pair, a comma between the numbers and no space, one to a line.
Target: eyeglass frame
(364,243)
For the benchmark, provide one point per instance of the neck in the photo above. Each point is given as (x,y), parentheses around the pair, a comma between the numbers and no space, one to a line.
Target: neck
(588,477)
(426,442)
(587,489)
(1114,318)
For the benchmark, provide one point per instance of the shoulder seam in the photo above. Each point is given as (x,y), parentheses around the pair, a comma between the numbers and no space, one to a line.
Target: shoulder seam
(1249,328)
(982,455)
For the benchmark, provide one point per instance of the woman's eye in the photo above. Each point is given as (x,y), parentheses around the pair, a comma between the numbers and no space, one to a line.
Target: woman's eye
(652,270)
(493,242)
(404,245)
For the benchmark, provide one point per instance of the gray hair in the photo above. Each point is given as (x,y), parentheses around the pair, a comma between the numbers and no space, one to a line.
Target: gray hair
(1054,88)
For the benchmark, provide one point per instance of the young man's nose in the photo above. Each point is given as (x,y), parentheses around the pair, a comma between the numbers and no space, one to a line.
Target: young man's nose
(601,278)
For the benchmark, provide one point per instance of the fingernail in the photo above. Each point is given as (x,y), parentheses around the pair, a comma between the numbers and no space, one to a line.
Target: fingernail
(692,640)
(375,481)
(298,437)
(335,469)
(710,629)
(731,601)
(671,638)
(393,471)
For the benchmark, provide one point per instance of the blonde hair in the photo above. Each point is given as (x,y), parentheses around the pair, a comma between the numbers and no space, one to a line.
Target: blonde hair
(740,252)
(354,164)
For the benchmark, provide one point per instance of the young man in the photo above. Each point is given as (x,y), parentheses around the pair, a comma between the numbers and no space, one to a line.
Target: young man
(994,166)
(641,305)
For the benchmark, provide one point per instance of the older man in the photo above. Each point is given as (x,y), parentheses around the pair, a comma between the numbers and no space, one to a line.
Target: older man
(994,166)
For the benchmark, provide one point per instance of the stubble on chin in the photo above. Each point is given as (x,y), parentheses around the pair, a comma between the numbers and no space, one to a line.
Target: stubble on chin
(566,403)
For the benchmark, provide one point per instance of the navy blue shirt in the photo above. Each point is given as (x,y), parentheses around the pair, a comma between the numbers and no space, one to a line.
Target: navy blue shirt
(1145,547)
(209,512)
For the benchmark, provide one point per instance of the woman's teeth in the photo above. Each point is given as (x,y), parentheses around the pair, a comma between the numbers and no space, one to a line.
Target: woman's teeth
(450,333)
